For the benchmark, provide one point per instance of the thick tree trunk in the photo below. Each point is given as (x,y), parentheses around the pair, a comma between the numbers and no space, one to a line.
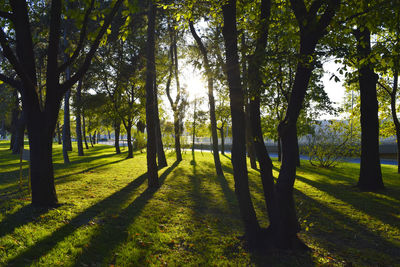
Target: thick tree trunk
(152,173)
(19,136)
(129,139)
(84,131)
(211,101)
(252,228)
(370,169)
(162,160)
(117,130)
(177,133)
(41,126)
(67,123)
(78,118)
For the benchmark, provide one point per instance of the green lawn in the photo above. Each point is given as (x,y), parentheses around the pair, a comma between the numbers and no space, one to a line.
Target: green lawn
(109,217)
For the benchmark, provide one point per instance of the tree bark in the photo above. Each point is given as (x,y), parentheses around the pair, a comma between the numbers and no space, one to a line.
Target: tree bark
(251,153)
(370,169)
(152,173)
(78,118)
(117,130)
(252,228)
(67,123)
(84,131)
(58,133)
(211,101)
(162,160)
(19,134)
(221,132)
(279,149)
(14,119)
(177,133)
(128,129)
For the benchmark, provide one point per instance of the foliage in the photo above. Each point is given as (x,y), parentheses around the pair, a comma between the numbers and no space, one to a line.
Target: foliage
(139,142)
(331,142)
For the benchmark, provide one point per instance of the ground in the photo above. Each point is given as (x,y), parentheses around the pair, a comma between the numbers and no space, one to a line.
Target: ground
(108,217)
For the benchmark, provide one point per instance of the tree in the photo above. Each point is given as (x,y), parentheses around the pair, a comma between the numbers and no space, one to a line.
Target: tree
(42,116)
(152,173)
(211,101)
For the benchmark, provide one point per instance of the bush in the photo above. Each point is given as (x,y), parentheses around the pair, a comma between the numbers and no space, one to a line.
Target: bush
(139,142)
(331,143)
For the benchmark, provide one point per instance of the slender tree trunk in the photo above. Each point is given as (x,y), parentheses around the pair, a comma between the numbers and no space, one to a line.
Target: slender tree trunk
(162,160)
(211,101)
(252,228)
(78,118)
(58,133)
(94,138)
(193,136)
(152,173)
(84,130)
(251,153)
(129,137)
(394,113)
(117,129)
(67,123)
(221,132)
(14,120)
(19,136)
(370,169)
(177,133)
(109,134)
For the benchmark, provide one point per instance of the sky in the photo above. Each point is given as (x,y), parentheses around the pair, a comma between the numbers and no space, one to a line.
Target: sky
(196,84)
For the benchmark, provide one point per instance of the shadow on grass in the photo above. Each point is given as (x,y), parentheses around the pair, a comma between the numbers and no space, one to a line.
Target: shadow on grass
(352,196)
(224,155)
(107,205)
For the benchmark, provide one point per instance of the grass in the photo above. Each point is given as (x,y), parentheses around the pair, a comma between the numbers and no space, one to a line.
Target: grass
(110,217)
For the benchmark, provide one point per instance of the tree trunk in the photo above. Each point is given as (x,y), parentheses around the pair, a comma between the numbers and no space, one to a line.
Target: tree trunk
(41,126)
(19,136)
(84,130)
(162,160)
(211,101)
(109,134)
(152,173)
(221,132)
(129,137)
(252,228)
(177,137)
(14,120)
(279,149)
(117,129)
(94,138)
(251,153)
(396,122)
(67,123)
(370,169)
(58,133)
(78,118)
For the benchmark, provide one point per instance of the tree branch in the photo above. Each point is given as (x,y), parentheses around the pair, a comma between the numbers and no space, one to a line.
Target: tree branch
(69,83)
(385,88)
(9,54)
(8,80)
(82,36)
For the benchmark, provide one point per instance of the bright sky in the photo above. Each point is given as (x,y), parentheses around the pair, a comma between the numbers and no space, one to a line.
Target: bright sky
(196,85)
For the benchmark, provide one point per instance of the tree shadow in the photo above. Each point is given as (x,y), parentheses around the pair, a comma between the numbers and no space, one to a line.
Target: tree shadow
(226,156)
(99,212)
(352,196)
(24,215)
